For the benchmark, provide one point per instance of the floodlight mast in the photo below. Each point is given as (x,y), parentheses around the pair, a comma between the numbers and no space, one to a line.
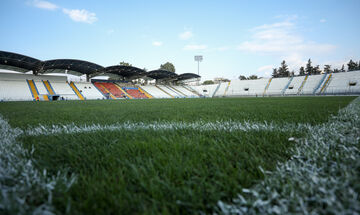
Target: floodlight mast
(198,58)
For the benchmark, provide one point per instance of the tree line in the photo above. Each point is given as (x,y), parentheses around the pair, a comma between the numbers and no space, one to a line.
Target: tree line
(309,69)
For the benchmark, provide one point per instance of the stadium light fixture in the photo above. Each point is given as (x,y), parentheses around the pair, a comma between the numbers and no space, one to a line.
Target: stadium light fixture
(198,58)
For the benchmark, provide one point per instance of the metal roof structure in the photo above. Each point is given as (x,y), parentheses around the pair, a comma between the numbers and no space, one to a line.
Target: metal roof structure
(78,66)
(18,62)
(22,63)
(186,76)
(161,74)
(125,71)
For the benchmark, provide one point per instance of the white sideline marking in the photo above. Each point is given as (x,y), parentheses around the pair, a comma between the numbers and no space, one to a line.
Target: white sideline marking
(320,178)
(21,184)
(225,126)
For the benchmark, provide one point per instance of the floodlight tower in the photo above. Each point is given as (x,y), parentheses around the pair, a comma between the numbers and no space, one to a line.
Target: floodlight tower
(198,58)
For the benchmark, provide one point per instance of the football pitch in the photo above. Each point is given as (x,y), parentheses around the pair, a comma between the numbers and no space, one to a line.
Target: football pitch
(157,156)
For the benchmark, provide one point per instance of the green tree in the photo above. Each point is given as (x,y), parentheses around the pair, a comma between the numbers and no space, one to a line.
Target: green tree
(168,66)
(122,63)
(352,65)
(253,77)
(241,77)
(327,68)
(309,68)
(275,73)
(343,69)
(301,71)
(283,70)
(316,70)
(207,82)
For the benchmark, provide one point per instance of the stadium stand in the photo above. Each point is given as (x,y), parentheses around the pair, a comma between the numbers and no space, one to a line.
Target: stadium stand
(191,89)
(76,91)
(295,85)
(186,92)
(155,91)
(312,84)
(277,86)
(181,94)
(37,84)
(145,93)
(115,90)
(135,93)
(106,93)
(172,91)
(206,90)
(220,91)
(43,93)
(89,91)
(342,83)
(64,90)
(247,87)
(162,88)
(12,90)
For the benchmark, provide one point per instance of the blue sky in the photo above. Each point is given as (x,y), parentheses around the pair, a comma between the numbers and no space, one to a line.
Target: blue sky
(235,37)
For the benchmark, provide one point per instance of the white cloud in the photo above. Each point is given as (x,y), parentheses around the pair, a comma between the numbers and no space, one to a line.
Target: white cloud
(110,31)
(186,35)
(322,20)
(283,40)
(195,47)
(44,5)
(81,15)
(157,43)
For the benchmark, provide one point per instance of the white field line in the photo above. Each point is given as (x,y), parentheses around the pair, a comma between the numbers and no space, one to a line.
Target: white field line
(24,190)
(322,177)
(224,126)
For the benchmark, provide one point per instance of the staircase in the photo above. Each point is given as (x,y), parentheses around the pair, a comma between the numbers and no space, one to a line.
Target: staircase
(178,92)
(327,82)
(103,90)
(287,85)
(33,90)
(302,84)
(123,91)
(319,84)
(217,88)
(191,90)
(49,88)
(164,91)
(226,89)
(267,86)
(145,93)
(76,90)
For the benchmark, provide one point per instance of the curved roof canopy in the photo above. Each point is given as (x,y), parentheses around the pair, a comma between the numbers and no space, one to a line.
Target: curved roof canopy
(125,71)
(161,74)
(79,66)
(22,63)
(18,62)
(186,76)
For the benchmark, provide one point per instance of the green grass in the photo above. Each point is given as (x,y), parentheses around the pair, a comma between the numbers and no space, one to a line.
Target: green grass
(284,109)
(162,172)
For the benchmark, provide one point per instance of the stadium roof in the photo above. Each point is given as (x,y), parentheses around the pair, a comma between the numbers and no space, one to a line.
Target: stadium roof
(18,62)
(161,74)
(186,76)
(125,71)
(22,63)
(80,66)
